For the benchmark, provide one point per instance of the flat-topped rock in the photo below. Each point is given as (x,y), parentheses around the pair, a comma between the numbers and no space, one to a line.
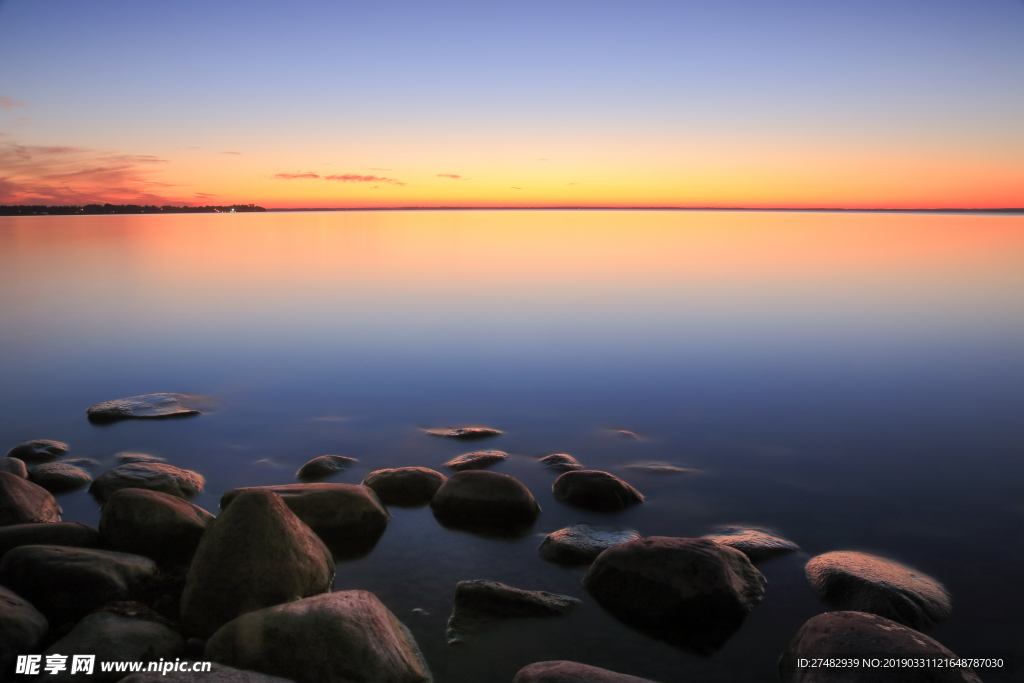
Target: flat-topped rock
(156,525)
(486,502)
(22,502)
(405,486)
(125,458)
(571,672)
(861,582)
(70,534)
(658,468)
(57,477)
(38,450)
(561,462)
(757,544)
(477,460)
(153,476)
(595,490)
(324,466)
(147,406)
(466,433)
(13,466)
(478,603)
(218,673)
(582,543)
(22,629)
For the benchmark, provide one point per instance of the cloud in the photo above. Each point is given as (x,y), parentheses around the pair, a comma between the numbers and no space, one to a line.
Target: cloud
(11,103)
(517,188)
(449,175)
(356,178)
(296,176)
(235,153)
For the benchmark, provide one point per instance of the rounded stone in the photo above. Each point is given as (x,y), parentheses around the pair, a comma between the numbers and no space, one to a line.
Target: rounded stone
(22,629)
(561,462)
(466,433)
(72,534)
(476,461)
(561,671)
(405,486)
(147,406)
(757,544)
(57,477)
(13,466)
(595,490)
(38,450)
(485,501)
(582,543)
(324,466)
(154,476)
(22,502)
(157,525)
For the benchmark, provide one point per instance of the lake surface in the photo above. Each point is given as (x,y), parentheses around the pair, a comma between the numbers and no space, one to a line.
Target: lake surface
(854,381)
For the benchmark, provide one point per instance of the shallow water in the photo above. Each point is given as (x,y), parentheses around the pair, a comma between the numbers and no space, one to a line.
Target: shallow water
(852,381)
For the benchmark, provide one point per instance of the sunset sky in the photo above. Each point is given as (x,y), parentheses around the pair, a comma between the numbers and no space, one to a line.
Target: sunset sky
(792,103)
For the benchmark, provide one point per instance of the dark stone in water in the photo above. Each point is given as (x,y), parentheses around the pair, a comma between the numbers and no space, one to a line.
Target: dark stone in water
(81,462)
(13,466)
(405,486)
(153,524)
(218,673)
(485,502)
(757,544)
(148,406)
(22,629)
(662,468)
(561,462)
(67,583)
(582,543)
(466,433)
(57,477)
(690,592)
(125,458)
(476,461)
(324,466)
(849,635)
(38,450)
(257,553)
(22,502)
(478,603)
(154,476)
(865,583)
(70,534)
(595,490)
(571,672)
(347,636)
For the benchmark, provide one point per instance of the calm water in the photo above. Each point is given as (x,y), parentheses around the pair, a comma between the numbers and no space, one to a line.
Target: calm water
(853,381)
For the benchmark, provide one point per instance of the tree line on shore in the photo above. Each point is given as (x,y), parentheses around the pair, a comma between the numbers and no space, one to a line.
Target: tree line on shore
(95,209)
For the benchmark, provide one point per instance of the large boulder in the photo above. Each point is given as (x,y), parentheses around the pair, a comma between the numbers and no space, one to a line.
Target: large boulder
(165,528)
(22,628)
(860,636)
(595,490)
(58,477)
(690,592)
(66,583)
(71,534)
(22,502)
(349,636)
(475,461)
(489,502)
(405,486)
(257,553)
(561,462)
(14,466)
(154,476)
(38,450)
(582,543)
(478,603)
(757,544)
(147,406)
(466,433)
(324,466)
(349,518)
(571,672)
(217,673)
(865,583)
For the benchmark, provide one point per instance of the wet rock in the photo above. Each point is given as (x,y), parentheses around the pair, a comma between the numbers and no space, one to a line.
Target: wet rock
(257,553)
(154,476)
(845,635)
(125,458)
(582,543)
(147,406)
(476,461)
(163,527)
(488,502)
(22,629)
(571,672)
(595,490)
(408,486)
(478,603)
(349,518)
(661,468)
(67,583)
(343,636)
(13,466)
(324,466)
(218,673)
(561,462)
(57,477)
(757,544)
(22,502)
(690,592)
(38,450)
(466,433)
(865,583)
(70,534)
(81,462)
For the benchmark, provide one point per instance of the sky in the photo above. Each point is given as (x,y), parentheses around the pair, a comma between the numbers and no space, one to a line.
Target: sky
(731,103)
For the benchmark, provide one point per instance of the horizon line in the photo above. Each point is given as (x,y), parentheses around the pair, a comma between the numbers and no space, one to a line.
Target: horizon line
(656,208)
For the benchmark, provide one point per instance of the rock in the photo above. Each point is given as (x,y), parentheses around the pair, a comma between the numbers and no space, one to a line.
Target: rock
(846,635)
(57,477)
(67,583)
(466,433)
(38,450)
(349,518)
(582,543)
(757,544)
(147,406)
(257,553)
(22,629)
(571,672)
(153,524)
(407,486)
(125,458)
(81,462)
(218,673)
(343,636)
(113,637)
(478,603)
(656,468)
(595,490)
(22,502)
(154,476)
(561,462)
(324,466)
(865,583)
(476,461)
(70,534)
(13,466)
(690,592)
(489,502)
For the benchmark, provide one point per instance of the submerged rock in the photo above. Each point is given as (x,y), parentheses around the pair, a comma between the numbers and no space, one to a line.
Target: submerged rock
(476,461)
(343,636)
(561,462)
(147,406)
(70,534)
(466,433)
(757,544)
(154,476)
(408,486)
(582,543)
(38,450)
(595,490)
(478,603)
(865,583)
(846,635)
(324,466)
(125,458)
(22,629)
(153,524)
(13,466)
(690,592)
(656,468)
(571,672)
(257,553)
(57,477)
(488,502)
(22,502)
(218,673)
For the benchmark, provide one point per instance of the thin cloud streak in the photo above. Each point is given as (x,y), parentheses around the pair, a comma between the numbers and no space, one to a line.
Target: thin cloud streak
(356,178)
(11,103)
(450,175)
(296,176)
